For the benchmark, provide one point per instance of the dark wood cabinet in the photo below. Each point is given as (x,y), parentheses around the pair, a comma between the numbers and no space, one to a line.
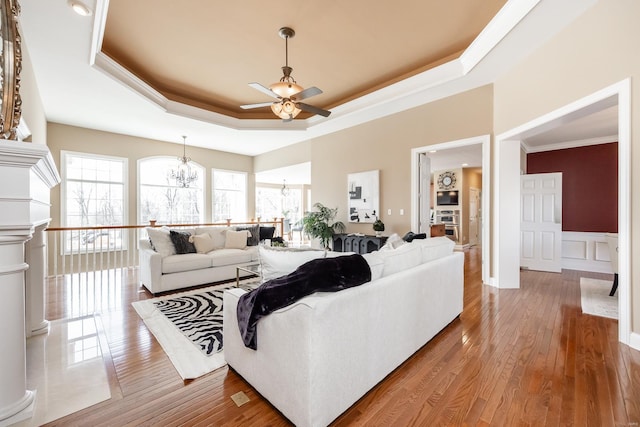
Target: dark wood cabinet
(438,230)
(357,244)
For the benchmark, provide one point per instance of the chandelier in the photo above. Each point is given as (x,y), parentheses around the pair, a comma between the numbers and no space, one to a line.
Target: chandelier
(285,189)
(183,174)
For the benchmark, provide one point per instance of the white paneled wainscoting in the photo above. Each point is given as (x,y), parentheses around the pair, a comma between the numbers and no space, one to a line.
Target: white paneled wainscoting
(585,251)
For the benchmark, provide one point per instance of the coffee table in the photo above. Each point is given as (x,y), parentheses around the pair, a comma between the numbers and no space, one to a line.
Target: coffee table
(250,281)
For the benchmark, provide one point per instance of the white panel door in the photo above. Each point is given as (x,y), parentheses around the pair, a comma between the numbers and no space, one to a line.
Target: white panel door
(541,222)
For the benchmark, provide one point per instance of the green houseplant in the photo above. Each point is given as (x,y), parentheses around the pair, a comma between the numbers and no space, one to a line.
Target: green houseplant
(320,224)
(378,227)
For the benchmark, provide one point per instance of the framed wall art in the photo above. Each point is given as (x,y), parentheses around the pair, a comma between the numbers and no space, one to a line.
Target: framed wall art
(364,196)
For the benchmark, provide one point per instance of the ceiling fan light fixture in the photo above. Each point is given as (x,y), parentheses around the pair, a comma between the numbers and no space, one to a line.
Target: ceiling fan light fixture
(286,109)
(286,89)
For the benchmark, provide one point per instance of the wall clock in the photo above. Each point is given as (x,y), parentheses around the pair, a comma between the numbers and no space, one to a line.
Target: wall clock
(447,180)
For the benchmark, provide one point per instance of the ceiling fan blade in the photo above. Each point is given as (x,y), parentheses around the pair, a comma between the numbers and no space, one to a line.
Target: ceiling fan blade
(307,93)
(287,120)
(258,105)
(311,109)
(264,89)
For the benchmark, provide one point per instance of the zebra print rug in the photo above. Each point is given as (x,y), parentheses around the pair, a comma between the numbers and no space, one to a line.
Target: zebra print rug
(188,326)
(199,317)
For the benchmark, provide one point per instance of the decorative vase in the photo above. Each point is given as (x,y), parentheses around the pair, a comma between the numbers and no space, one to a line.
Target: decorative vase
(378,233)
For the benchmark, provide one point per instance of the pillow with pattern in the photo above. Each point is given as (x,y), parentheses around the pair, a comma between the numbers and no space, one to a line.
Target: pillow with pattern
(181,242)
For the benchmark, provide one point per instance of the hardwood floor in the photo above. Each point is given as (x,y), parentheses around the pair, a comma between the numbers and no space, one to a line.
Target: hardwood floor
(514,357)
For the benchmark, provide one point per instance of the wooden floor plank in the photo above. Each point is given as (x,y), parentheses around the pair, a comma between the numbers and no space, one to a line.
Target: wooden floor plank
(514,357)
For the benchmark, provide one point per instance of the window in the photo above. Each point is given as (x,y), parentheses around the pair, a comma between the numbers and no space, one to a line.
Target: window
(270,203)
(161,199)
(94,194)
(229,195)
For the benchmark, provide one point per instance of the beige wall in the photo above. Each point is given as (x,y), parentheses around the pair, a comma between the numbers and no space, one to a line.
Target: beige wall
(287,156)
(599,49)
(32,109)
(69,138)
(386,144)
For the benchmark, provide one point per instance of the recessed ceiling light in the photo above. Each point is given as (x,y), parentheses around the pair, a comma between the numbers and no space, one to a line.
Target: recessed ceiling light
(80,8)
(464,165)
(433,151)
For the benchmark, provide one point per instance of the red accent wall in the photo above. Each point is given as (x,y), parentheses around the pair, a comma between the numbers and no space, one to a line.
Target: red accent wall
(589,185)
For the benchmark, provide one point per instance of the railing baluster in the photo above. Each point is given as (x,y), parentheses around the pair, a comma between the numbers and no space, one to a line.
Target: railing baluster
(72,256)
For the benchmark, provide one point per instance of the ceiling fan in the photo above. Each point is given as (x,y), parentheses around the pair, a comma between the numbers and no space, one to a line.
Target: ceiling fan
(287,92)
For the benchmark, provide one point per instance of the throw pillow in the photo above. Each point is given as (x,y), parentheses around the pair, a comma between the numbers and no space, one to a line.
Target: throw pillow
(277,262)
(236,239)
(393,242)
(203,243)
(161,241)
(181,242)
(216,233)
(411,236)
(266,232)
(254,234)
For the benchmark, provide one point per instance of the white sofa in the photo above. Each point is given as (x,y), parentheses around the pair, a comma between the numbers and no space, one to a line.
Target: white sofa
(165,271)
(318,356)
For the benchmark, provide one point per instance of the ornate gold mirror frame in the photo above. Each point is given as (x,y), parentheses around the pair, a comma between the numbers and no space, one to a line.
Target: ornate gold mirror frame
(11,65)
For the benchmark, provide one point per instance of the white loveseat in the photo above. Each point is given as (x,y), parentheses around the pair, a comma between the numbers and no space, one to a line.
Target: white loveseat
(163,270)
(318,356)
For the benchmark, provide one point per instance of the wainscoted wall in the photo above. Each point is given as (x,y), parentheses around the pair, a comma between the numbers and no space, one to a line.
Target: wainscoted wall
(585,252)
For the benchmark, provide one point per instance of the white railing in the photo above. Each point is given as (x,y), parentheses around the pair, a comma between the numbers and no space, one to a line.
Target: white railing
(72,250)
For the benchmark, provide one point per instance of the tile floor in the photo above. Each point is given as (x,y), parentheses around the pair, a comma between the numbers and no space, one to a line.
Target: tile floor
(66,368)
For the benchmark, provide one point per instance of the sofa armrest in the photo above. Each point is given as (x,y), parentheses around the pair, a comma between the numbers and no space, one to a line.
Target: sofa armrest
(150,269)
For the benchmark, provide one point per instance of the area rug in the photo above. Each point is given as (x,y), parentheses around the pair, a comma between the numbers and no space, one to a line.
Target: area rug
(188,326)
(595,299)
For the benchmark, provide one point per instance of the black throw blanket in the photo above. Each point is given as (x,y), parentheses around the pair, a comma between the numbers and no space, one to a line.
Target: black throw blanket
(318,275)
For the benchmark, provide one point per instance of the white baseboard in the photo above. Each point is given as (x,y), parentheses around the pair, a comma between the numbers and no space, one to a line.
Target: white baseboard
(585,252)
(634,341)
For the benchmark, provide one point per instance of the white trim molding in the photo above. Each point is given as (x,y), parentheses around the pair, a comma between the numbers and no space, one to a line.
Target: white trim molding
(485,225)
(506,223)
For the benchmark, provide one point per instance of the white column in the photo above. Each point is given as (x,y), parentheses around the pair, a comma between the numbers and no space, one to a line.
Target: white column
(16,402)
(35,282)
(28,173)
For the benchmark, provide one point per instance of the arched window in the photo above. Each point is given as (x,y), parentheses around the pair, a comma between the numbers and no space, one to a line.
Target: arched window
(162,199)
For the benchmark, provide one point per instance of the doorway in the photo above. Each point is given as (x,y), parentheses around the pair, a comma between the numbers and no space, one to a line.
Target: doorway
(507,196)
(418,173)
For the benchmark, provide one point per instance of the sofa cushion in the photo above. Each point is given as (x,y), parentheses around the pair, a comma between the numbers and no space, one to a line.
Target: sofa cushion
(254,234)
(376,264)
(203,243)
(181,242)
(161,241)
(218,234)
(435,247)
(236,239)
(277,262)
(221,257)
(405,257)
(185,262)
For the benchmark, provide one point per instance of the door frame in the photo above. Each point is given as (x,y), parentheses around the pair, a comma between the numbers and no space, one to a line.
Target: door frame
(485,140)
(506,217)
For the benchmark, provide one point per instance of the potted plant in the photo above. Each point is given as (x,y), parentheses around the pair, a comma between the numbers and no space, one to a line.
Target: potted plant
(378,227)
(319,224)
